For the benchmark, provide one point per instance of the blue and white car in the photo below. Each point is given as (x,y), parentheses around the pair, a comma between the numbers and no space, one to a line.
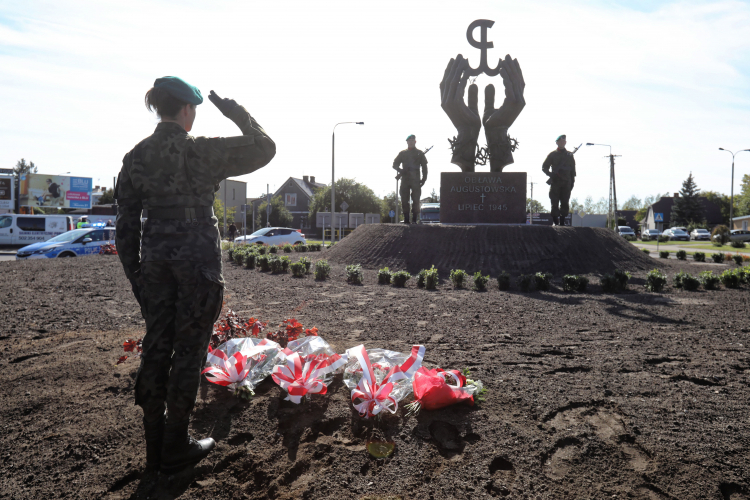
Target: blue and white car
(78,242)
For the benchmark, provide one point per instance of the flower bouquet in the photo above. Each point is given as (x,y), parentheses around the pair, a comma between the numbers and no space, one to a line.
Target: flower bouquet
(308,367)
(435,389)
(379,379)
(241,364)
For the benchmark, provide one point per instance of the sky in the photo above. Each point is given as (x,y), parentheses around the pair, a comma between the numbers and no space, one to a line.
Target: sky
(664,83)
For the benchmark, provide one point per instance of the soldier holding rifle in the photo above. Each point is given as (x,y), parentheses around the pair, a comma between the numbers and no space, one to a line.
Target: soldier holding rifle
(562,177)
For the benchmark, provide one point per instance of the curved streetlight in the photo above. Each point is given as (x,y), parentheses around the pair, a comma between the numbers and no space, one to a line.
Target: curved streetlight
(731,199)
(333,174)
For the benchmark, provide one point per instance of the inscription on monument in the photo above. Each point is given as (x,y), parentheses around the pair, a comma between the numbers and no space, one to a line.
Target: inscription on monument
(483,198)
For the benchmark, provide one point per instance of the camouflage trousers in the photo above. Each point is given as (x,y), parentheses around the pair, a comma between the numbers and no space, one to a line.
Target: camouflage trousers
(559,196)
(180,301)
(410,184)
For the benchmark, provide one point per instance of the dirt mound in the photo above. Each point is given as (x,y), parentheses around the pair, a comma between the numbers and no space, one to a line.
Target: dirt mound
(515,249)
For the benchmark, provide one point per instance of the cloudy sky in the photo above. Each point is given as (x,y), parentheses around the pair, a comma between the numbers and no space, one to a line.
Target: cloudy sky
(664,83)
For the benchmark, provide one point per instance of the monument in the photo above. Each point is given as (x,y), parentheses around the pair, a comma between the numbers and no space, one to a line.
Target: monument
(487,198)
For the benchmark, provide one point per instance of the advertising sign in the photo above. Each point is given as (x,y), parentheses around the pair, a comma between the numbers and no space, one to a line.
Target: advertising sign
(6,193)
(59,191)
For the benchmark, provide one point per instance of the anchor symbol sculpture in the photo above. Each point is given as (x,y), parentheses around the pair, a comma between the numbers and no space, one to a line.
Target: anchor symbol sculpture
(482,45)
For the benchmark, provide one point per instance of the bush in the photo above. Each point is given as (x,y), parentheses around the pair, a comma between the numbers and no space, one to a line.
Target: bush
(230,254)
(399,278)
(421,277)
(655,280)
(457,277)
(542,280)
(322,269)
(524,282)
(298,269)
(718,257)
(574,283)
(690,282)
(737,259)
(287,248)
(273,249)
(239,258)
(616,282)
(717,243)
(354,274)
(708,280)
(503,281)
(731,278)
(300,248)
(644,250)
(681,255)
(663,239)
(275,264)
(699,257)
(226,245)
(431,278)
(738,244)
(262,263)
(262,249)
(677,280)
(663,254)
(480,281)
(720,234)
(285,261)
(305,261)
(250,261)
(384,276)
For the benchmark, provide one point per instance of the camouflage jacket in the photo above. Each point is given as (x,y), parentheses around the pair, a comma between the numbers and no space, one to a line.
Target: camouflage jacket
(171,169)
(563,164)
(412,160)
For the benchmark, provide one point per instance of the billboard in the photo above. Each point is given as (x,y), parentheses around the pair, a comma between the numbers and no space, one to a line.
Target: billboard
(7,200)
(59,191)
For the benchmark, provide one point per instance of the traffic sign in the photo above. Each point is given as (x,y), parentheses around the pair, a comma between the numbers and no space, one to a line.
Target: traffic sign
(581,214)
(658,217)
(392,213)
(344,205)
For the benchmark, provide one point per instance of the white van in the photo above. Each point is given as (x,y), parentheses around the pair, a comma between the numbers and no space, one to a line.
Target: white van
(19,229)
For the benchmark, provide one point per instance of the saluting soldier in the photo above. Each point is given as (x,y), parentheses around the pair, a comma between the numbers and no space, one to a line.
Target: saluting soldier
(412,160)
(174,261)
(562,177)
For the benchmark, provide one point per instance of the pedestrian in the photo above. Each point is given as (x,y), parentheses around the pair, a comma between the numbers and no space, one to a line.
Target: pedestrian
(562,177)
(174,262)
(232,231)
(412,160)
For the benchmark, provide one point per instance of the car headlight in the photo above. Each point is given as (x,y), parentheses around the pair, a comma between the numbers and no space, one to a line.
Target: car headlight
(44,250)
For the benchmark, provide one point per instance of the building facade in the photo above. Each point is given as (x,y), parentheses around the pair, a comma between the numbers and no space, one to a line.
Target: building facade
(659,215)
(233,194)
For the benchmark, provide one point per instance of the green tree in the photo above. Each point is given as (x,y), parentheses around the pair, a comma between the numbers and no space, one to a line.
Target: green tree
(434,197)
(632,203)
(641,214)
(359,197)
(24,168)
(390,202)
(575,205)
(280,215)
(535,207)
(107,197)
(219,212)
(687,207)
(723,202)
(742,201)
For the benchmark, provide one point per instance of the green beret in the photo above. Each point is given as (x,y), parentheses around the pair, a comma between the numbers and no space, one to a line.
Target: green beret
(411,136)
(561,137)
(180,89)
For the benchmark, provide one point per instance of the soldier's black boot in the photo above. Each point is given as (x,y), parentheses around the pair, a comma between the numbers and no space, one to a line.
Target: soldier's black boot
(180,449)
(406,219)
(154,439)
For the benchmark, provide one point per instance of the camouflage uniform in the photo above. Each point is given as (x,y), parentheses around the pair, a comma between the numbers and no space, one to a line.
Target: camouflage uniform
(174,262)
(412,160)
(562,179)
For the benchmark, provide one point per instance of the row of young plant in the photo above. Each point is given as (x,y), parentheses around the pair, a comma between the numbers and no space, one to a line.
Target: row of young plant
(271,249)
(718,258)
(731,278)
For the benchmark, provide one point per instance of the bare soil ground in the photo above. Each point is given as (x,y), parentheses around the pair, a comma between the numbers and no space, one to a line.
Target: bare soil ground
(637,395)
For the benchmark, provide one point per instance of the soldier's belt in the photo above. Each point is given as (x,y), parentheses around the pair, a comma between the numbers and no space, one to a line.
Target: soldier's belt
(187,213)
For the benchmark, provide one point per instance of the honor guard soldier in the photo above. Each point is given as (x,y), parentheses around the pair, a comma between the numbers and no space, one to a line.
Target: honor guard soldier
(560,167)
(411,183)
(174,261)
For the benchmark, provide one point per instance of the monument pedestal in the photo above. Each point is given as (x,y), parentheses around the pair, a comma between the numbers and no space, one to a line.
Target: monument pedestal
(483,198)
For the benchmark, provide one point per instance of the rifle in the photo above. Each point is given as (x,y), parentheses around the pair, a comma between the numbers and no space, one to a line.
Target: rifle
(401,171)
(549,181)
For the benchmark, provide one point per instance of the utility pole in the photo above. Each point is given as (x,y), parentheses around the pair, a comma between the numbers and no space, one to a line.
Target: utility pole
(268,206)
(612,212)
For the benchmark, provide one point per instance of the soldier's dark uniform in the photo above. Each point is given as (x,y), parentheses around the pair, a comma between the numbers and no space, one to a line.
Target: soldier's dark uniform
(412,160)
(562,176)
(174,261)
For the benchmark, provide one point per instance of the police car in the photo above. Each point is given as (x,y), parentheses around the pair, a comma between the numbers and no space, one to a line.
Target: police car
(78,242)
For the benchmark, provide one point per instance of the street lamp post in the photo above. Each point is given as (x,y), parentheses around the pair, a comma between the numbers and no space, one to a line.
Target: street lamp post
(333,174)
(731,189)
(612,215)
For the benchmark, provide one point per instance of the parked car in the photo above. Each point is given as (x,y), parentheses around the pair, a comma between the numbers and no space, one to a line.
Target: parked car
(683,229)
(429,213)
(650,234)
(626,232)
(676,234)
(273,236)
(739,235)
(700,234)
(74,243)
(20,229)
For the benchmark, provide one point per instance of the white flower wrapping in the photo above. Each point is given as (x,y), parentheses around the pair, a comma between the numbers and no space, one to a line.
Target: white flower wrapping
(242,362)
